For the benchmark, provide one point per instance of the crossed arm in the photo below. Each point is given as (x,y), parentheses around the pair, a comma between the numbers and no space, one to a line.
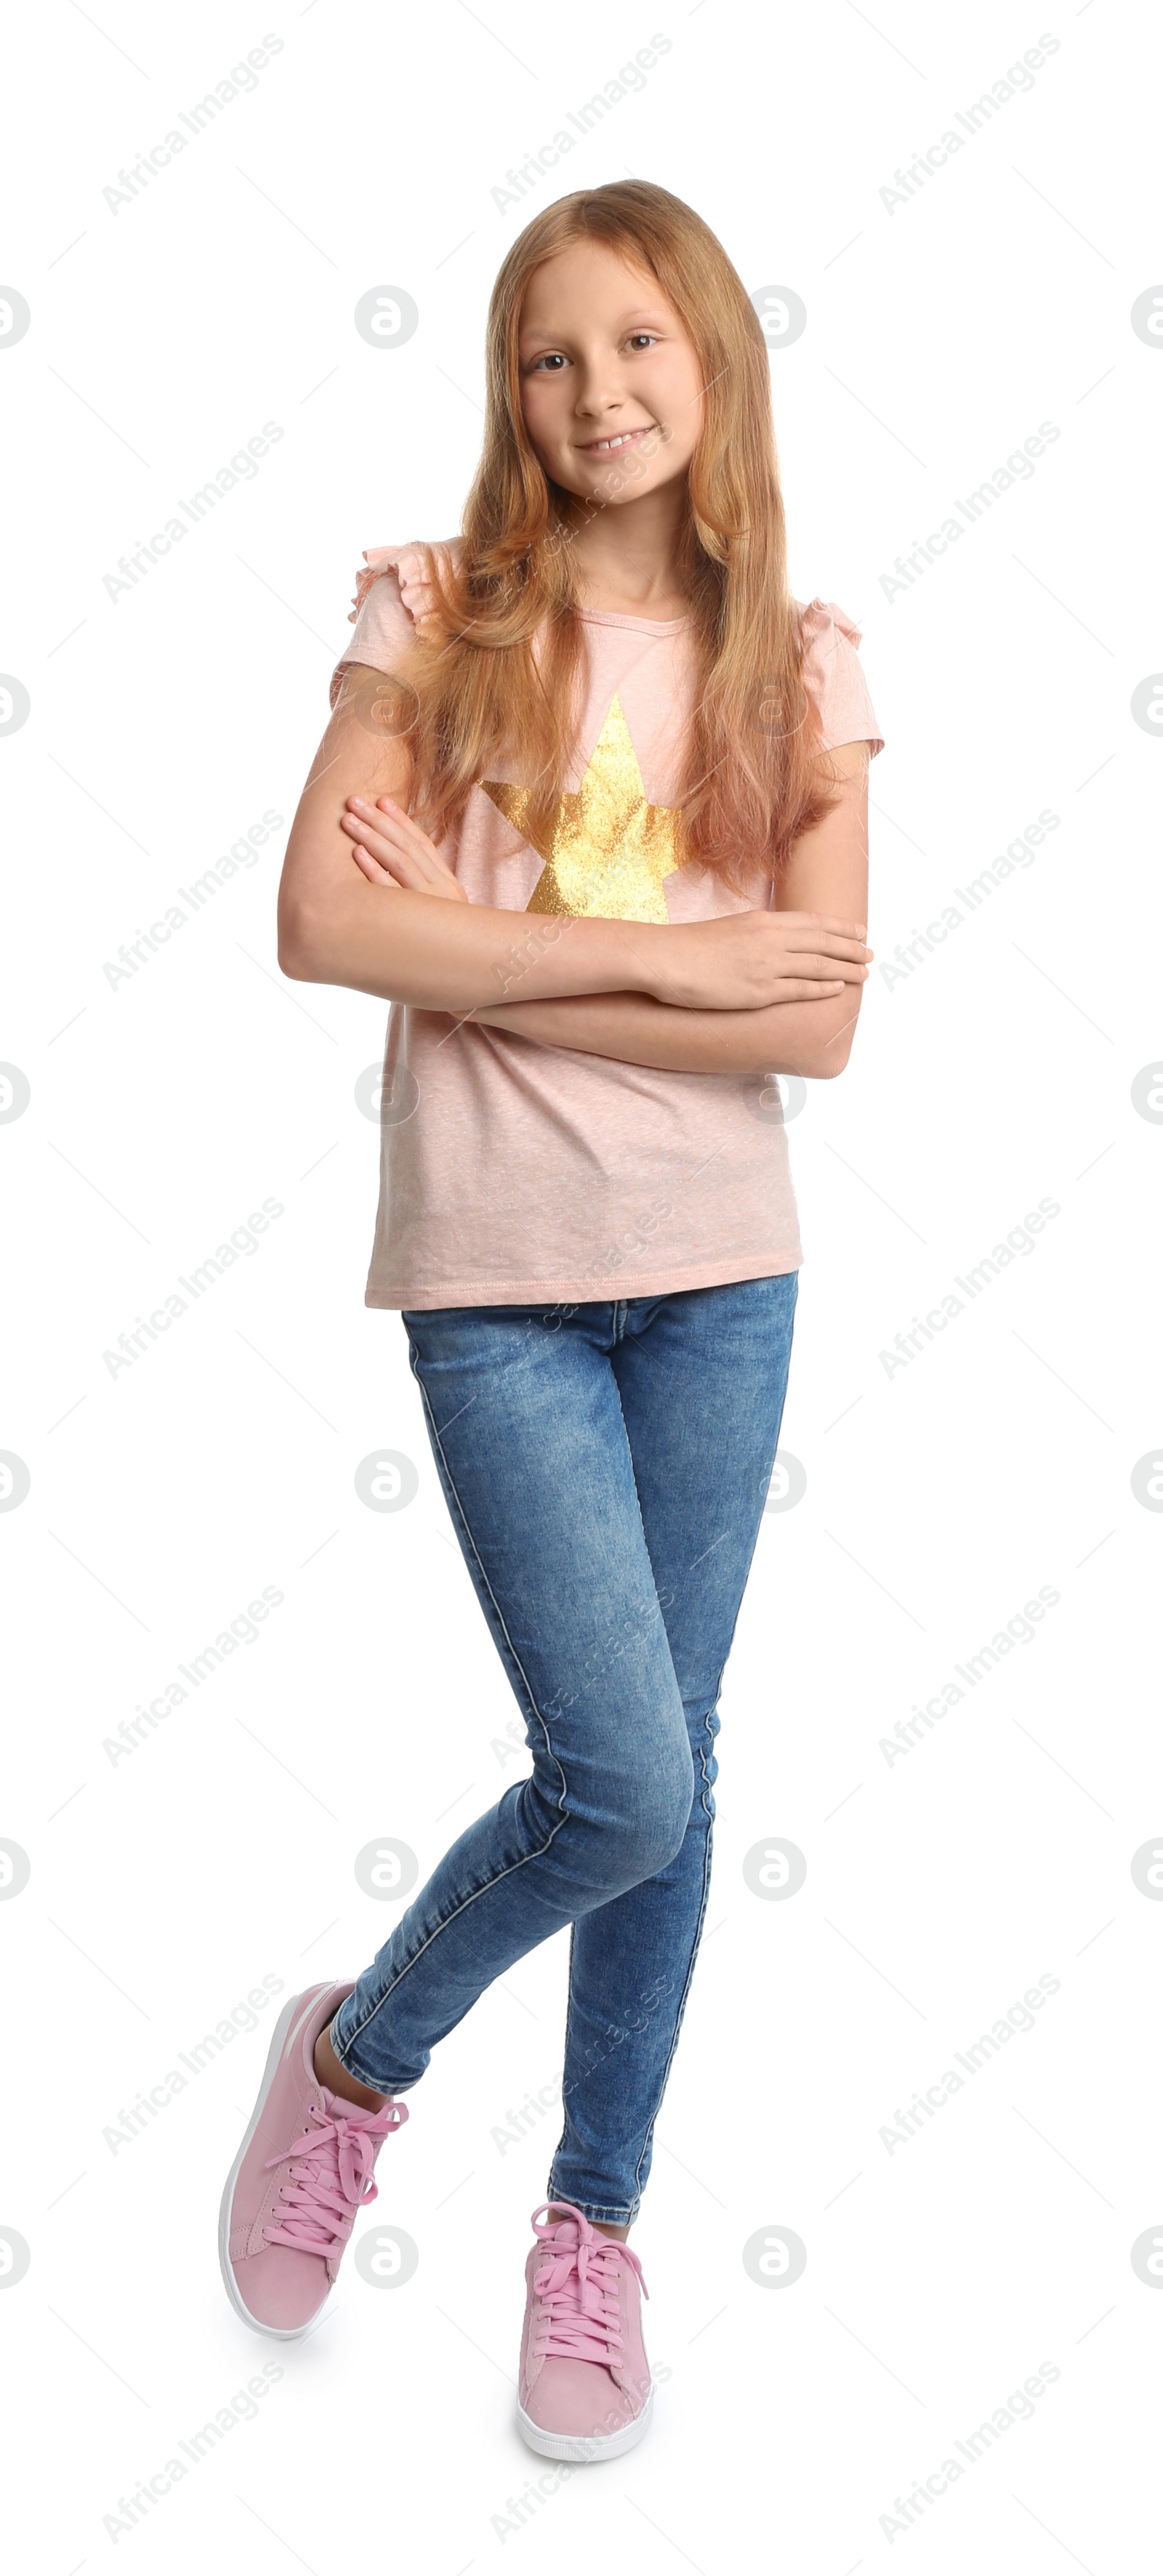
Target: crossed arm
(367,901)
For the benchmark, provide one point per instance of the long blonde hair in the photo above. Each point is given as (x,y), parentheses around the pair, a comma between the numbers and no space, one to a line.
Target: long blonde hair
(753,778)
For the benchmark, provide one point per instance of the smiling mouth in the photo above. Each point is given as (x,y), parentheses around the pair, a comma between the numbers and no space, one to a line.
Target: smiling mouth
(623,438)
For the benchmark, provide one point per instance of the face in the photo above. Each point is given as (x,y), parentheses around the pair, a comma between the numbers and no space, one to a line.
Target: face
(611,387)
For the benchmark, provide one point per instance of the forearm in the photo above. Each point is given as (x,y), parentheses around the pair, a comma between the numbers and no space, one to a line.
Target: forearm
(337,928)
(440,956)
(810,1038)
(369,901)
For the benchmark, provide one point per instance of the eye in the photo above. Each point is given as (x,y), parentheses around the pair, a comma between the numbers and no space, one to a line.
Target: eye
(553,361)
(643,339)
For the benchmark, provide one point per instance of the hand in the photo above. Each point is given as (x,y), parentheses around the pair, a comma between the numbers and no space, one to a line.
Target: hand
(744,961)
(392,850)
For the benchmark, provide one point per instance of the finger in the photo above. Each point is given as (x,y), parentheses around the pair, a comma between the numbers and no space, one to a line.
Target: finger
(399,862)
(832,943)
(375,874)
(398,827)
(829,970)
(833,921)
(417,840)
(836,954)
(416,865)
(802,931)
(822,927)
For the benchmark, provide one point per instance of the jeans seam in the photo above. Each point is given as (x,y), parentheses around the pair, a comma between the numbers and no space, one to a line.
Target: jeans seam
(565,2052)
(625,2217)
(614,2217)
(682,2001)
(628,2215)
(539,1854)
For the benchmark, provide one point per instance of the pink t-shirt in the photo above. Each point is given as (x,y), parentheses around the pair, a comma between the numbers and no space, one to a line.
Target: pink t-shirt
(512,1172)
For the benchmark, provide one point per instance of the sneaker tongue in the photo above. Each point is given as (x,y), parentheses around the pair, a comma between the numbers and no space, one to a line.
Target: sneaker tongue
(339,2108)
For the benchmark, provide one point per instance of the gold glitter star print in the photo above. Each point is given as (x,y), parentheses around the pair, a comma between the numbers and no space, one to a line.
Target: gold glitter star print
(606,850)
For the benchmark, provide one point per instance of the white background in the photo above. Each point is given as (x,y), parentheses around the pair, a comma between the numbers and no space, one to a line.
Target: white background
(939,1885)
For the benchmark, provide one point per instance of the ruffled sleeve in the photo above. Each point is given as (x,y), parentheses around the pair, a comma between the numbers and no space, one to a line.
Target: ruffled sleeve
(834,678)
(391,596)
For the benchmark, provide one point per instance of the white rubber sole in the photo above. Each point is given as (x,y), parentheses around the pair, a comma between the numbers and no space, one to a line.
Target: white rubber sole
(584,2446)
(277,2334)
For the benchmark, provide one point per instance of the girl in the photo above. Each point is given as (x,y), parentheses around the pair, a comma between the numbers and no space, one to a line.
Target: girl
(590,811)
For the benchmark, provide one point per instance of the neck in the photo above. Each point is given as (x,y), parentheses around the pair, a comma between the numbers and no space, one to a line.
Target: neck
(625,555)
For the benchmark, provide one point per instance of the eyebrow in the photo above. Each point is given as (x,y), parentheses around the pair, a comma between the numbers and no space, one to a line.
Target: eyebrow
(639,313)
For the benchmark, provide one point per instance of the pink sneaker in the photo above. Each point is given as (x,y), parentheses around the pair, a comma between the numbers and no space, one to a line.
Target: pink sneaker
(304,2168)
(585,2391)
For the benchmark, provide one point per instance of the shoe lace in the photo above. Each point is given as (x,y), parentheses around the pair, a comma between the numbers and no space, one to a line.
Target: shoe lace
(577,2285)
(330,2174)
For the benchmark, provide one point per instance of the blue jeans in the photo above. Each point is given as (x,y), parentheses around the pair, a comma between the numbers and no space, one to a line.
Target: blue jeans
(606,1468)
